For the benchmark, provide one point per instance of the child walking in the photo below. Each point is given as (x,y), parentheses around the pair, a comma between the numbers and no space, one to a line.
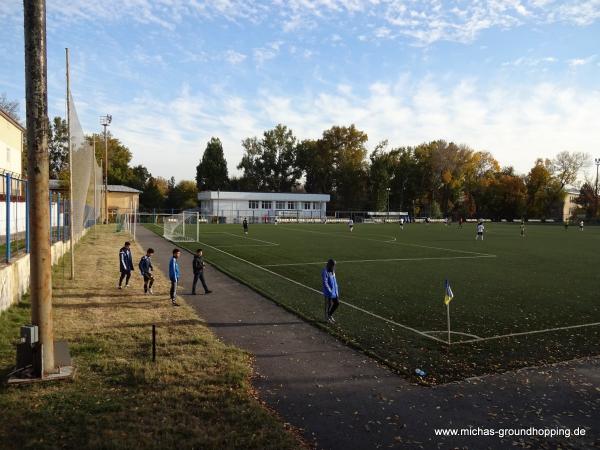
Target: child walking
(174,275)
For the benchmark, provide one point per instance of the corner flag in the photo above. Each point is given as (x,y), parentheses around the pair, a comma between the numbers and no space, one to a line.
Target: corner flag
(449,295)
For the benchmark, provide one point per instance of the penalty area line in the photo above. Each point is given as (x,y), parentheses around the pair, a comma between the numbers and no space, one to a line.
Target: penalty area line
(358,308)
(382,260)
(393,242)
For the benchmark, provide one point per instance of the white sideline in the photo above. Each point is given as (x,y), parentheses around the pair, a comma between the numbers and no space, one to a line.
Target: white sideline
(523,333)
(248,245)
(381,260)
(391,242)
(406,327)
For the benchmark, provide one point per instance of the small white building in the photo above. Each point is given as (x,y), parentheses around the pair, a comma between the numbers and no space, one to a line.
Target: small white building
(233,207)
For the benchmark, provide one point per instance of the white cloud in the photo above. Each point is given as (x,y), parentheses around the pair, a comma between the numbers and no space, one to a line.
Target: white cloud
(516,124)
(423,21)
(233,57)
(577,62)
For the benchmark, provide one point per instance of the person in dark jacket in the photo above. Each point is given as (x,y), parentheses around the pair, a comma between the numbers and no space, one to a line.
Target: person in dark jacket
(146,271)
(198,268)
(174,275)
(245,226)
(330,290)
(125,264)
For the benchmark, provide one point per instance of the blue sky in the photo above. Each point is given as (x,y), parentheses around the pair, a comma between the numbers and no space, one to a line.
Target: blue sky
(518,78)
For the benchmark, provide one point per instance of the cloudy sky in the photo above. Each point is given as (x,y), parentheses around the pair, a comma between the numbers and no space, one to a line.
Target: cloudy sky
(518,78)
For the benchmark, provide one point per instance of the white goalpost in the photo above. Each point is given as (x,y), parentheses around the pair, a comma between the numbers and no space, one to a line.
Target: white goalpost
(182,227)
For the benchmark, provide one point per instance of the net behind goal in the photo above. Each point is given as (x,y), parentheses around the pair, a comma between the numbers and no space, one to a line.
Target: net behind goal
(183,227)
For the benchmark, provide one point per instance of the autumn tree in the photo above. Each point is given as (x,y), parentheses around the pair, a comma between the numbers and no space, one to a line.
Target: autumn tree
(211,172)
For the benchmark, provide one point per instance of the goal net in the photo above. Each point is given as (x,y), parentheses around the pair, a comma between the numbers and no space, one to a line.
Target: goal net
(183,227)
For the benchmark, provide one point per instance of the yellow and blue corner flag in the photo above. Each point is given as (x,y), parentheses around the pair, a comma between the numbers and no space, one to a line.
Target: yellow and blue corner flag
(449,295)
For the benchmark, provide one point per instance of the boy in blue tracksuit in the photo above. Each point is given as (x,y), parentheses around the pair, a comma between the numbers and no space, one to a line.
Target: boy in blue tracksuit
(330,290)
(174,275)
(125,264)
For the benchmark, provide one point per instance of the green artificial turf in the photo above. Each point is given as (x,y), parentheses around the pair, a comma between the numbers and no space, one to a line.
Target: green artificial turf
(503,285)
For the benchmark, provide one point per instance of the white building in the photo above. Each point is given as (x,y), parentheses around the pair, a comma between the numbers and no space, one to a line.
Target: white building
(233,207)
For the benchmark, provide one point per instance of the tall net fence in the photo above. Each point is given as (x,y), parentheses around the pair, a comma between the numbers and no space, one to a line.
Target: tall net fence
(86,177)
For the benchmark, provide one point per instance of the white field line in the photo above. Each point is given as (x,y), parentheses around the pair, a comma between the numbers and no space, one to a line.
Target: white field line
(249,238)
(524,333)
(393,242)
(381,260)
(406,327)
(452,332)
(248,245)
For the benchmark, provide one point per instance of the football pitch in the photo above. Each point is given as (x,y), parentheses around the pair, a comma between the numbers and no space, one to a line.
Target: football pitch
(517,301)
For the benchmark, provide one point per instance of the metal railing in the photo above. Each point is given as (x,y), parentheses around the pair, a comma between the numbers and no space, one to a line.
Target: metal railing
(14,217)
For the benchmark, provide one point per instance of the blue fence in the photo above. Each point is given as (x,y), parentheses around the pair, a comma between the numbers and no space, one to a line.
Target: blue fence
(14,217)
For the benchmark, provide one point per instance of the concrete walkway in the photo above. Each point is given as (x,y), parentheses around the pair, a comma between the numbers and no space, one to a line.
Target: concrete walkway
(343,399)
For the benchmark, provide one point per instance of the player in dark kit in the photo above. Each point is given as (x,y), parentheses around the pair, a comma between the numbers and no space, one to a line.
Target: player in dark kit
(245,226)
(198,268)
(146,269)
(125,264)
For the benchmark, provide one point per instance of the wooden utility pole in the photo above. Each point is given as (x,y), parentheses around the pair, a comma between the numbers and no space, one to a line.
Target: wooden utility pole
(36,92)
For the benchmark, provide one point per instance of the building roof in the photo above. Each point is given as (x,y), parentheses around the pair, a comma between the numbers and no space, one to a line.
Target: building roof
(121,188)
(11,120)
(281,196)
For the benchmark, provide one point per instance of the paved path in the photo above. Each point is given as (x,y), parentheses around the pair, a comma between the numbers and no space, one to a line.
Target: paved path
(343,399)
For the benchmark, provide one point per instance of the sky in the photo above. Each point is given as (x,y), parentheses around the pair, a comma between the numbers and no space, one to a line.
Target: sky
(518,78)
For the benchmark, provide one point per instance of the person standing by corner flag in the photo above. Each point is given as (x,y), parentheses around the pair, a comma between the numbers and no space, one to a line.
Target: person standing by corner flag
(174,275)
(125,264)
(198,268)
(330,290)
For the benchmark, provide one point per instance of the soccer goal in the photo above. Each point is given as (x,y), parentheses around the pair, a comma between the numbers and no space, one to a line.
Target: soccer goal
(182,227)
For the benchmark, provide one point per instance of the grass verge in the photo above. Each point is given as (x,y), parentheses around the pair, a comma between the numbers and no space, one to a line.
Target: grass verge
(196,395)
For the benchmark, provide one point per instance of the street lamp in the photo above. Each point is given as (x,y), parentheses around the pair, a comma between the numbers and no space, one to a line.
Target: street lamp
(388,203)
(105,122)
(597,162)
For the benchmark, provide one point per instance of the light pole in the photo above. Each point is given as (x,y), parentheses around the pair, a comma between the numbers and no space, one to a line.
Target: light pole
(105,122)
(388,202)
(597,162)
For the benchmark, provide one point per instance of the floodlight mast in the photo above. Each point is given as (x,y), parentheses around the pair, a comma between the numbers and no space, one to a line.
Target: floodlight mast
(105,122)
(597,162)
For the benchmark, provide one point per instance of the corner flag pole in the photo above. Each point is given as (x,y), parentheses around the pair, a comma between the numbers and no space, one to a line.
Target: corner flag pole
(448,315)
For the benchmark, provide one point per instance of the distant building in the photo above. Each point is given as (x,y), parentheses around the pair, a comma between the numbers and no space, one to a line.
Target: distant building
(569,205)
(233,207)
(122,199)
(11,145)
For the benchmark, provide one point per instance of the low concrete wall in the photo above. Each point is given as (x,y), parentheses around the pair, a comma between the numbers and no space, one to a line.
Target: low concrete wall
(14,278)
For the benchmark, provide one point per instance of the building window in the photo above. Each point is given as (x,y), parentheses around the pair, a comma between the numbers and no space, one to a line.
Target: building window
(253,204)
(280,205)
(306,205)
(316,205)
(267,204)
(291,205)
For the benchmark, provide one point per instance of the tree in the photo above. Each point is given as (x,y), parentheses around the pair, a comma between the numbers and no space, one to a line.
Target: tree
(211,172)
(381,172)
(58,146)
(566,166)
(119,157)
(544,191)
(270,164)
(183,195)
(138,177)
(154,194)
(347,146)
(587,200)
(10,107)
(316,161)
